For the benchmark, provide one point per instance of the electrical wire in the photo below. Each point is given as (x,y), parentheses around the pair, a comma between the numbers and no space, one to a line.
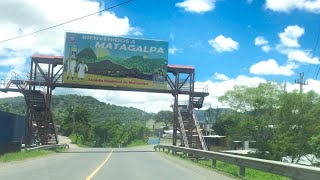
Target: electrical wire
(313,52)
(66,22)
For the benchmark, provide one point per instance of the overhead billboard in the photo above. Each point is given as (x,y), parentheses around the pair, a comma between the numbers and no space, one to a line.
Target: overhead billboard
(101,60)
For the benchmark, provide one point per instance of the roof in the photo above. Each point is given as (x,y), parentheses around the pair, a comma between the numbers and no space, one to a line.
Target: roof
(47,59)
(46,56)
(180,67)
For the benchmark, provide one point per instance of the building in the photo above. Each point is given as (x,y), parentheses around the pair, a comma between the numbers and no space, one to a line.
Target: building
(216,142)
(207,119)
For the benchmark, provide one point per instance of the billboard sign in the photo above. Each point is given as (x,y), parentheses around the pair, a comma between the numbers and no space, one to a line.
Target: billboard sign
(101,60)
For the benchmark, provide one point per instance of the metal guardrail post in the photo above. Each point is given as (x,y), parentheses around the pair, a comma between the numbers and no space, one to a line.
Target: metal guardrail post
(242,171)
(214,163)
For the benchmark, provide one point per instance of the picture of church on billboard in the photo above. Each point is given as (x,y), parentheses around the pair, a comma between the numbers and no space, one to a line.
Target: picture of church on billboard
(115,61)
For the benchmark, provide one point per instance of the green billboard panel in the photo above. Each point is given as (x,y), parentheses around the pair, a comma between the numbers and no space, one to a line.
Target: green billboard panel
(101,60)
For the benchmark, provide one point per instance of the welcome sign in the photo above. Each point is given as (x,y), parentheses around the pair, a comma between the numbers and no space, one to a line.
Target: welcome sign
(91,59)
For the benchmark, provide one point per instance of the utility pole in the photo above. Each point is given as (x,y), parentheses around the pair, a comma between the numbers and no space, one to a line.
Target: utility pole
(301,82)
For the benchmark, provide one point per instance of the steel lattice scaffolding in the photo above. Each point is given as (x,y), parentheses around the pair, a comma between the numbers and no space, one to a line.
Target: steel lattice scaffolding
(46,74)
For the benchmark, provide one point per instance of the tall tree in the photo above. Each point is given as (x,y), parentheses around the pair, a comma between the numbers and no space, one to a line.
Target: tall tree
(164,116)
(78,121)
(281,123)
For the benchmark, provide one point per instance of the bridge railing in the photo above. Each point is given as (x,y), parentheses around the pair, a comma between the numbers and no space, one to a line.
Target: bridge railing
(294,171)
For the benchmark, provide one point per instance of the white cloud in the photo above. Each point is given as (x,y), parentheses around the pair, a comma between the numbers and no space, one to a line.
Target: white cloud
(32,15)
(289,38)
(303,57)
(172,36)
(271,67)
(137,33)
(217,89)
(174,50)
(223,44)
(260,40)
(154,102)
(197,6)
(249,1)
(15,64)
(151,102)
(196,44)
(313,85)
(290,5)
(266,48)
(220,76)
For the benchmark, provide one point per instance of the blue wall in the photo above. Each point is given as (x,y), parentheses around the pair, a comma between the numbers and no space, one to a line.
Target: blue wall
(12,131)
(154,141)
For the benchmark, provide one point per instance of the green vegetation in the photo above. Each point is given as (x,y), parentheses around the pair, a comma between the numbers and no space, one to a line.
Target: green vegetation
(234,170)
(91,123)
(16,156)
(137,143)
(78,141)
(164,116)
(281,123)
(251,174)
(99,110)
(112,132)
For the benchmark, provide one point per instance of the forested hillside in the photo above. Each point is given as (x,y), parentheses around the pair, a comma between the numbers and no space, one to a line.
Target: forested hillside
(100,111)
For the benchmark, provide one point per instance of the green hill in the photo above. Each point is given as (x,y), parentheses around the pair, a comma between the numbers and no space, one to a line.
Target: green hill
(100,111)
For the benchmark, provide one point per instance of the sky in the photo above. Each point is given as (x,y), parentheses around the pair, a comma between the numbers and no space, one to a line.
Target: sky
(229,42)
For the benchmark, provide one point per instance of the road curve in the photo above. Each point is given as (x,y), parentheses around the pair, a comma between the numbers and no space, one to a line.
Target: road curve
(141,163)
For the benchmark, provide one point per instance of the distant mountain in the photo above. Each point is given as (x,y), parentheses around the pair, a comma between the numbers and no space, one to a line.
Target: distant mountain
(144,65)
(87,55)
(100,110)
(109,68)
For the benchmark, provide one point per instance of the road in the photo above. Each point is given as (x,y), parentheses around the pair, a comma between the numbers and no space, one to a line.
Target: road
(141,163)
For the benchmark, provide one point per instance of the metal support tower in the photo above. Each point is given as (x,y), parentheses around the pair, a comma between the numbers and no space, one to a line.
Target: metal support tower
(184,110)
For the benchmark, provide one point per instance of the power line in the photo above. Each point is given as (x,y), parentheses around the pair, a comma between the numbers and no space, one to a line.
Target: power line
(82,17)
(313,52)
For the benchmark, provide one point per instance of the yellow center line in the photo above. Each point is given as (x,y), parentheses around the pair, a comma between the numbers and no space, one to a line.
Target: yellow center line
(99,167)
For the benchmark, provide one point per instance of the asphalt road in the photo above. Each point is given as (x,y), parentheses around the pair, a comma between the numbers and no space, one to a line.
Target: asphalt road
(100,163)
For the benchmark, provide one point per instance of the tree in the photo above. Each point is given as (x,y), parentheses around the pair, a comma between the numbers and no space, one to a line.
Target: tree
(164,116)
(112,133)
(78,121)
(297,123)
(4,107)
(314,143)
(281,123)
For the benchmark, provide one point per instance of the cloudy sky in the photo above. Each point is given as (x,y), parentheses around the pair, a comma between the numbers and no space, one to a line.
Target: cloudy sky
(243,42)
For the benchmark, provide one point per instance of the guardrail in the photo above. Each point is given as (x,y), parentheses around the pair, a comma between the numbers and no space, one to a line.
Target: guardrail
(45,147)
(294,171)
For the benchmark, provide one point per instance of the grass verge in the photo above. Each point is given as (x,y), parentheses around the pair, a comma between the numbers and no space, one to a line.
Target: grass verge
(16,156)
(137,143)
(251,174)
(79,141)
